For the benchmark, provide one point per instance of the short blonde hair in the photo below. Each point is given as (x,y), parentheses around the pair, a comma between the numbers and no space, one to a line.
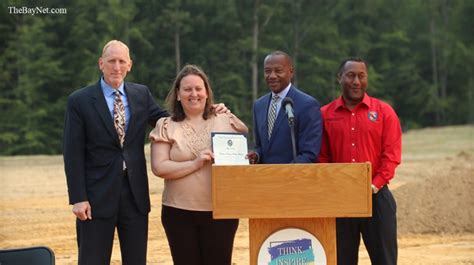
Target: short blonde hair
(113,43)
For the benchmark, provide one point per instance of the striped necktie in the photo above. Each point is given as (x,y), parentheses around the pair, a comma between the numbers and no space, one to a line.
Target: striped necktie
(272,114)
(119,117)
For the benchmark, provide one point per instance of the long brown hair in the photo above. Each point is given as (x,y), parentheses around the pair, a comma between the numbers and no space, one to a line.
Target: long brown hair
(175,107)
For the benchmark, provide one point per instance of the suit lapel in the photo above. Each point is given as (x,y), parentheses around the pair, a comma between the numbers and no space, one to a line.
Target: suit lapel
(280,120)
(263,119)
(282,113)
(101,107)
(276,126)
(132,97)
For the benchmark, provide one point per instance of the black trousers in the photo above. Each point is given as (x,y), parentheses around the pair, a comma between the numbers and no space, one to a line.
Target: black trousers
(197,239)
(379,233)
(95,237)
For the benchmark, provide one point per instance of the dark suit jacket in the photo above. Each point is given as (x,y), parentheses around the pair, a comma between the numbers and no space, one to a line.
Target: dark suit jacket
(308,130)
(93,157)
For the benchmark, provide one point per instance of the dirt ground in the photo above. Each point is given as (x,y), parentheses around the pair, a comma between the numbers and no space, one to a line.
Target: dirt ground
(433,188)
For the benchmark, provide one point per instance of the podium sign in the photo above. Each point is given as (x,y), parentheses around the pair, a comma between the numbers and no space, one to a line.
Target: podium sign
(305,196)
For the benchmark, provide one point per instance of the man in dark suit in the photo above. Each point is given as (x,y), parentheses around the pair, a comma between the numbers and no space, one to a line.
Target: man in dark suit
(104,160)
(272,131)
(105,164)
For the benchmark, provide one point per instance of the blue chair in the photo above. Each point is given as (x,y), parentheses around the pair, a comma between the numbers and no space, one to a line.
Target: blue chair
(27,256)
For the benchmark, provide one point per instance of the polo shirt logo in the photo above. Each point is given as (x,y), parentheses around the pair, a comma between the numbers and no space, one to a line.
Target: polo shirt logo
(373,115)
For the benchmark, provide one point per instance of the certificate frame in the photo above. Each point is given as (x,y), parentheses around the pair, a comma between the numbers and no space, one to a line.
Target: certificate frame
(229,148)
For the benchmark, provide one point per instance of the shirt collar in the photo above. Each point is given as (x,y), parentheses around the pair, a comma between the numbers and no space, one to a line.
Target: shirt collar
(365,100)
(283,93)
(108,90)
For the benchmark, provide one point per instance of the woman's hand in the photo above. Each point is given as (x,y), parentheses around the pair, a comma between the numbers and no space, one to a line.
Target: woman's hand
(203,157)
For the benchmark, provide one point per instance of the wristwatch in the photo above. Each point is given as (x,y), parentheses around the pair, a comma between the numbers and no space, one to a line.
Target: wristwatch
(374,189)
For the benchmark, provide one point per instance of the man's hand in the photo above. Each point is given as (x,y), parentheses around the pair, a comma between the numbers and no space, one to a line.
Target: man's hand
(374,189)
(252,156)
(221,108)
(82,210)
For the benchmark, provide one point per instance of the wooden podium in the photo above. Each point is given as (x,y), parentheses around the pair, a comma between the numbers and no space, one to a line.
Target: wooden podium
(305,196)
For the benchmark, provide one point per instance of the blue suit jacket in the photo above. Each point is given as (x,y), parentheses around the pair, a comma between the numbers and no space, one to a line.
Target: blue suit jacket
(308,130)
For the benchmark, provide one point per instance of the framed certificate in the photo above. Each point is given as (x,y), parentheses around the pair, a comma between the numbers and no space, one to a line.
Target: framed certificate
(229,148)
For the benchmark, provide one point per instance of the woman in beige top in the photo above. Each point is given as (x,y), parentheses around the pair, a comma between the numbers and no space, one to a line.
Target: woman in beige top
(181,154)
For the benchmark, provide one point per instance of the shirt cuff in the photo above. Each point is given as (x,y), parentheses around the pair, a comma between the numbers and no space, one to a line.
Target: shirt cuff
(379,182)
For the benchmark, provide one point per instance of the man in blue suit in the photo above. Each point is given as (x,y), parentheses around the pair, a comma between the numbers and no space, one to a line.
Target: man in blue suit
(273,144)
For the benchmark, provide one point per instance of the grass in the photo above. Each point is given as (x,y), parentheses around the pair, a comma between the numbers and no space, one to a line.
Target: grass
(435,143)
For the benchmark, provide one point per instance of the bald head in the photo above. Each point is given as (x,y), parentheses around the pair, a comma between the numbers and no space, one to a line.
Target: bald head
(283,54)
(278,70)
(115,63)
(115,43)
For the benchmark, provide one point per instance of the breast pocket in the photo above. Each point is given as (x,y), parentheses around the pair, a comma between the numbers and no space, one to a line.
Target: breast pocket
(335,126)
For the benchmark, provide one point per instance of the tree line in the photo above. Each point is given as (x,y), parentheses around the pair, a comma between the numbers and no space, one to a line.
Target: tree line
(420,55)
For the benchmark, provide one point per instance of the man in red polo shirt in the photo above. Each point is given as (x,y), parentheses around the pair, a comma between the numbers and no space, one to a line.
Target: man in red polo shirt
(360,128)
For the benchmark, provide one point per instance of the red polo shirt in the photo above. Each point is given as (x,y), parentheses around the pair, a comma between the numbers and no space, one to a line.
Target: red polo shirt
(370,132)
